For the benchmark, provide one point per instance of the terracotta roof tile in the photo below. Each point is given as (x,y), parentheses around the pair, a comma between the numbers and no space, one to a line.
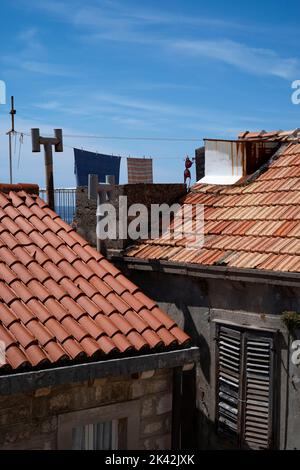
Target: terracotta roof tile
(86,287)
(115,285)
(40,332)
(138,323)
(100,285)
(154,322)
(118,303)
(22,335)
(163,318)
(145,301)
(254,224)
(124,325)
(139,342)
(16,358)
(66,253)
(57,329)
(91,348)
(99,304)
(56,308)
(183,338)
(24,313)
(7,316)
(74,328)
(167,337)
(152,339)
(73,349)
(66,286)
(133,301)
(107,345)
(61,300)
(56,352)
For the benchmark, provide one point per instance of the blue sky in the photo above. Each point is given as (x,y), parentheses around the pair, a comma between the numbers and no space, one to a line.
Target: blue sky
(169,68)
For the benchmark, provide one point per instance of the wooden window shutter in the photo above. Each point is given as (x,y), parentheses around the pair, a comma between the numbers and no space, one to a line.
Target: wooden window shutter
(259,391)
(229,382)
(245,365)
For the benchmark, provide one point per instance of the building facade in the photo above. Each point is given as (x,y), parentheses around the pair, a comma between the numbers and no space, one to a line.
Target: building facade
(238,294)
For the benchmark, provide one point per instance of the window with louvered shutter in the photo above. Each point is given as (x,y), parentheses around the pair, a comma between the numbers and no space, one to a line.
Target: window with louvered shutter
(245,366)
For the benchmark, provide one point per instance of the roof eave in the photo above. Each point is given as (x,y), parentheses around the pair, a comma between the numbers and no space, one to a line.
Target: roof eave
(30,381)
(215,272)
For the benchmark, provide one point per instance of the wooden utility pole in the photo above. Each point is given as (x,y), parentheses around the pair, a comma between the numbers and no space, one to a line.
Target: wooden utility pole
(10,134)
(48,142)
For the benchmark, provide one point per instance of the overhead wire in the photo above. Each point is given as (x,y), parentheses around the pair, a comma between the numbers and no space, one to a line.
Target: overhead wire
(153,139)
(21,141)
(120,138)
(105,137)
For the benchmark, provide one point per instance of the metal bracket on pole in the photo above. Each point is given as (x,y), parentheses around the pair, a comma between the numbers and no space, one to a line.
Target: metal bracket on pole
(48,142)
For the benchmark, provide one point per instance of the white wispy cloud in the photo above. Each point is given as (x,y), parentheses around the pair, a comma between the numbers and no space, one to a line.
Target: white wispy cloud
(257,61)
(103,13)
(112,21)
(129,110)
(49,105)
(45,68)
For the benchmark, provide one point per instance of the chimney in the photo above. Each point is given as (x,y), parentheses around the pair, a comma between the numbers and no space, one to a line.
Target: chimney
(228,161)
(200,163)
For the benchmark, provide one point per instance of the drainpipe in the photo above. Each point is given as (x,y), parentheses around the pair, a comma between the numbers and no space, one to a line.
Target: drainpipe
(287,405)
(176,408)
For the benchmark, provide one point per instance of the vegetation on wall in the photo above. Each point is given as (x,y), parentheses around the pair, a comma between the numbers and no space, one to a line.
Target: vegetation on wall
(291,320)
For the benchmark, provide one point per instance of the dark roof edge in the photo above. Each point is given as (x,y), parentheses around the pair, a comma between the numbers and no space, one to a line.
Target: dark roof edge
(30,381)
(27,187)
(215,272)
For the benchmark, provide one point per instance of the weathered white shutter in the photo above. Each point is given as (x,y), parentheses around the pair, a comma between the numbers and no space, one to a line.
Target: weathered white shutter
(258,414)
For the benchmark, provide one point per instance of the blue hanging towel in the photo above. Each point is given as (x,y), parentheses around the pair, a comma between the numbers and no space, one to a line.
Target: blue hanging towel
(90,163)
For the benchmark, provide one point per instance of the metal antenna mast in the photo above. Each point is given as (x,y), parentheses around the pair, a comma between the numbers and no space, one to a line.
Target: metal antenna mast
(10,134)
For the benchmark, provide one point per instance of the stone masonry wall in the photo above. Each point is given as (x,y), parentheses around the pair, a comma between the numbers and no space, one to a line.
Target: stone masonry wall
(85,215)
(147,194)
(30,421)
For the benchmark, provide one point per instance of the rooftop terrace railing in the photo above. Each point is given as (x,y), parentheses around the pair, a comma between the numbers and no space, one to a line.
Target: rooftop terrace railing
(64,201)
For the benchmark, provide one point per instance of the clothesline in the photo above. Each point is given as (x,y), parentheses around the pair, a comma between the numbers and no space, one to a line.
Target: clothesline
(105,137)
(24,134)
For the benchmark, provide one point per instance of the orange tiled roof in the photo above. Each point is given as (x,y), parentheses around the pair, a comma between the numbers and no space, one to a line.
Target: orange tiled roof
(60,300)
(252,225)
(278,136)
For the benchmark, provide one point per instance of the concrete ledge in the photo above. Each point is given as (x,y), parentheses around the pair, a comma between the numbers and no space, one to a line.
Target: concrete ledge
(29,381)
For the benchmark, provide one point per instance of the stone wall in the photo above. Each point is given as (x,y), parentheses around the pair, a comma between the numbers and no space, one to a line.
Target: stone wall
(85,216)
(147,194)
(30,421)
